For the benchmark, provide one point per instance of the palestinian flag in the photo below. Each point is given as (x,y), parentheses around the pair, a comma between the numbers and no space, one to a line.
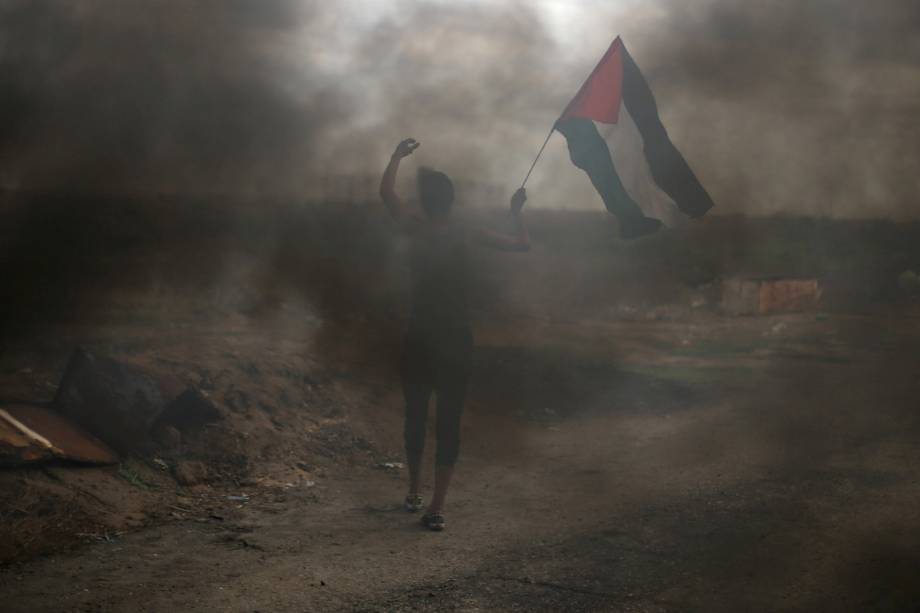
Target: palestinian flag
(615,135)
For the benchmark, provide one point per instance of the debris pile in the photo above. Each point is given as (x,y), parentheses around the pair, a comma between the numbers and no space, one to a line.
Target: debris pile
(765,295)
(103,408)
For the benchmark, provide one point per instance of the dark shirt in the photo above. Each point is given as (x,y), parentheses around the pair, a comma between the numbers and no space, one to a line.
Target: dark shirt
(439,264)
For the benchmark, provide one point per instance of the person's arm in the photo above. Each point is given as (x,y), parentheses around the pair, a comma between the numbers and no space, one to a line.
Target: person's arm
(520,239)
(388,181)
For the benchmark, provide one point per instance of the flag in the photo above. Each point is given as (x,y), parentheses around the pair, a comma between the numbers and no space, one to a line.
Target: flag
(615,135)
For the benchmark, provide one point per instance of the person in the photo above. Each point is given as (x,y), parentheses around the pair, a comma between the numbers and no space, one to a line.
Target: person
(437,349)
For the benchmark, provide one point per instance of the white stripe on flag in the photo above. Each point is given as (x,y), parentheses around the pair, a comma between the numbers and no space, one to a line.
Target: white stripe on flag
(627,151)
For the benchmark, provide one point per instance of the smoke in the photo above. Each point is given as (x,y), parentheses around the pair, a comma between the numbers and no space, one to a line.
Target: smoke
(801,108)
(229,100)
(156,96)
(797,108)
(259,97)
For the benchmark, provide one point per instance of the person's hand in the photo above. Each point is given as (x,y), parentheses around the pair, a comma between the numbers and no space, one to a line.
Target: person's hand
(518,200)
(406,147)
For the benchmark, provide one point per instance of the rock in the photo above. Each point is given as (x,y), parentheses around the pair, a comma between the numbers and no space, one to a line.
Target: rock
(190,472)
(114,401)
(127,408)
(190,410)
(168,437)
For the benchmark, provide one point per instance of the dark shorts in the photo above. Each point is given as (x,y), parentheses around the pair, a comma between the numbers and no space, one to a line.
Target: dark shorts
(435,363)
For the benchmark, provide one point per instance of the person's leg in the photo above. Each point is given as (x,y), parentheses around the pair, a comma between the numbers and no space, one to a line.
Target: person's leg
(417,389)
(442,476)
(417,396)
(453,378)
(450,409)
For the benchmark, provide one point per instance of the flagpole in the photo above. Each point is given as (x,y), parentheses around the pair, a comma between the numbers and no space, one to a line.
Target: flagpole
(539,153)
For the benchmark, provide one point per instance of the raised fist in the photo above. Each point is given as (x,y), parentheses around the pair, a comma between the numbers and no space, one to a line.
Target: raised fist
(406,147)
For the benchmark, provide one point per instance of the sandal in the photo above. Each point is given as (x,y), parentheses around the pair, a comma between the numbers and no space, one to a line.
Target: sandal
(433,521)
(414,503)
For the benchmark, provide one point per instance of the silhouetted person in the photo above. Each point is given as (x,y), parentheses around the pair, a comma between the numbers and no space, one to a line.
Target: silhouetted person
(437,351)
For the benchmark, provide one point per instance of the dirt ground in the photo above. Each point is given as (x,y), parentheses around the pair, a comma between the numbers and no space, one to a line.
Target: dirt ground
(696,464)
(626,446)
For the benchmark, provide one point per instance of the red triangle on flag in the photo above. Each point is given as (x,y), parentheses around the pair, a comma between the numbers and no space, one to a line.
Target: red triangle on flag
(599,98)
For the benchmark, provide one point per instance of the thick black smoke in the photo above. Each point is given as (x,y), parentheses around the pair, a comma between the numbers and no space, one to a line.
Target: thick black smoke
(793,107)
(109,106)
(156,96)
(797,108)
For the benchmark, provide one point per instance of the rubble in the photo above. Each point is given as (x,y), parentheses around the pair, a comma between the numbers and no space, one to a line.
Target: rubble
(168,438)
(764,295)
(103,404)
(189,410)
(127,408)
(190,472)
(115,402)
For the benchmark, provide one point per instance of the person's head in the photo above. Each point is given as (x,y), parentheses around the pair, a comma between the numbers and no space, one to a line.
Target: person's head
(436,192)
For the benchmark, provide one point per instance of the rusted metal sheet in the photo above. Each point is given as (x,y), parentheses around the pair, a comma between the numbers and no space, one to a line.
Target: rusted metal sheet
(765,295)
(30,434)
(17,447)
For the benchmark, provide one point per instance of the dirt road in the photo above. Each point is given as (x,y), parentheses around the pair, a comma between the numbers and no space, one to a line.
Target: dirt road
(763,464)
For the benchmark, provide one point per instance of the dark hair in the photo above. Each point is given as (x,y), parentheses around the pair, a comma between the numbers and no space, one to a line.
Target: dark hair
(436,192)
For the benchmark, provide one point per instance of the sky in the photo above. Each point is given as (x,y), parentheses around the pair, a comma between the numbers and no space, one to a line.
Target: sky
(805,107)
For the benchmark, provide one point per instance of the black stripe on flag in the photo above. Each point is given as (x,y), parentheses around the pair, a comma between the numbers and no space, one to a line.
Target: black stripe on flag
(590,153)
(668,167)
